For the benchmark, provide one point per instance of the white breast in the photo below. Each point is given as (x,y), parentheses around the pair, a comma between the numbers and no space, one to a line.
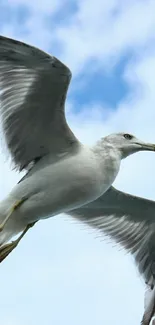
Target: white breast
(67,184)
(109,168)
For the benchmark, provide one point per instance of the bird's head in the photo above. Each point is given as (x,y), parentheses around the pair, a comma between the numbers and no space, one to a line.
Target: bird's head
(127,144)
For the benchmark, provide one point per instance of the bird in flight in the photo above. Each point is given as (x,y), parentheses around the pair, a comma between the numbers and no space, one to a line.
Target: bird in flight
(63,175)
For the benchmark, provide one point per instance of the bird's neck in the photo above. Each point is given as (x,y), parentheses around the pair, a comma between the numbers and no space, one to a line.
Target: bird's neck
(107,150)
(109,159)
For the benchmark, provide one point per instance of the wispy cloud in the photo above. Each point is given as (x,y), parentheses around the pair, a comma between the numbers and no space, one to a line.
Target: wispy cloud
(105,32)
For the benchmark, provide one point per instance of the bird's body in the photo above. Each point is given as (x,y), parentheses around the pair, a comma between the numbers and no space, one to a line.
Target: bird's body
(53,188)
(65,175)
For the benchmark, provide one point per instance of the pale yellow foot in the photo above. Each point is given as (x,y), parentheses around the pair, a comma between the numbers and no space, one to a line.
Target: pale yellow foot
(5,250)
(15,206)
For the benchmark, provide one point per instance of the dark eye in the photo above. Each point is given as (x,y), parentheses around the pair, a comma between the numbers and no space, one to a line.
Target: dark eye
(128,136)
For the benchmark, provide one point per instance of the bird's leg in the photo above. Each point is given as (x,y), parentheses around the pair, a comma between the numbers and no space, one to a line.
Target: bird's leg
(14,207)
(5,250)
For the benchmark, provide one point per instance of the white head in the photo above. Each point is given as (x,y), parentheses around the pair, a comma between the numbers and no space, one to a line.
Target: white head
(126,143)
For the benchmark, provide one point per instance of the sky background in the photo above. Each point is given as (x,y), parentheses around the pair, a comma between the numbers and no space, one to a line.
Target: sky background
(62,272)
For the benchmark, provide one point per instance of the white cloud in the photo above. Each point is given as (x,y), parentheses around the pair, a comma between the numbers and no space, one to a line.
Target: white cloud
(36,31)
(106,31)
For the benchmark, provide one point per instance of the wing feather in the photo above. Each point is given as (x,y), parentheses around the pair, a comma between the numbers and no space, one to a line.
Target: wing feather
(33,89)
(130,221)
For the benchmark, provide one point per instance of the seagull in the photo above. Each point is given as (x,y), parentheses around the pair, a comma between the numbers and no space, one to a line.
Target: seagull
(62,174)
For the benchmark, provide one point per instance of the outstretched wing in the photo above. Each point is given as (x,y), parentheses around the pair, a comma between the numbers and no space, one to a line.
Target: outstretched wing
(33,88)
(130,221)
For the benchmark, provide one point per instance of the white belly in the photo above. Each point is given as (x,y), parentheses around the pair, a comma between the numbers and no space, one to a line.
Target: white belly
(60,187)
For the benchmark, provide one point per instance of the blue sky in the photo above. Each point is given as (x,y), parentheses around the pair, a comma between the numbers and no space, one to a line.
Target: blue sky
(108,88)
(62,273)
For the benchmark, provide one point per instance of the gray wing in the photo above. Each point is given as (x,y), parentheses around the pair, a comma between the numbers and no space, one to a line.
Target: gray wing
(33,88)
(130,221)
(127,219)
